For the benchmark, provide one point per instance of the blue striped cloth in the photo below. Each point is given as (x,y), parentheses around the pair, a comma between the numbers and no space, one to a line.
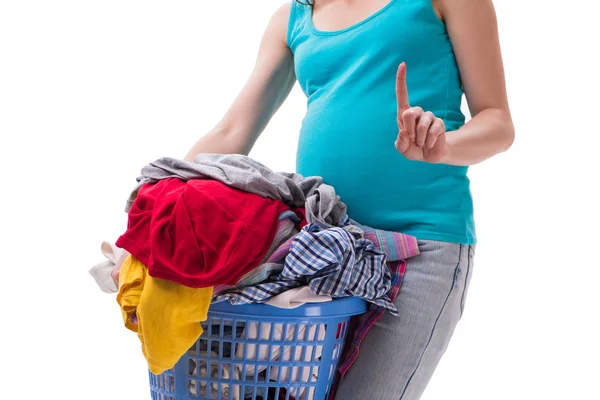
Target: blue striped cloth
(332,262)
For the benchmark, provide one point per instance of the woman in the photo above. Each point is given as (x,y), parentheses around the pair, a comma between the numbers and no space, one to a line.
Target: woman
(384,81)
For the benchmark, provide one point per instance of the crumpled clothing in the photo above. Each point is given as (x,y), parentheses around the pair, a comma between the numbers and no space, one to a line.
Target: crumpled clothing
(244,173)
(297,297)
(166,316)
(333,263)
(200,233)
(285,232)
(273,265)
(322,208)
(106,273)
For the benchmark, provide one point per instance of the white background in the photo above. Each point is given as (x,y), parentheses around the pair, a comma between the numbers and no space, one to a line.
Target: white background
(90,91)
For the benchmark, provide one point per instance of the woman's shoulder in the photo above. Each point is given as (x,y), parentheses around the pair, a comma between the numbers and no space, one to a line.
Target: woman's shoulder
(278,24)
(283,12)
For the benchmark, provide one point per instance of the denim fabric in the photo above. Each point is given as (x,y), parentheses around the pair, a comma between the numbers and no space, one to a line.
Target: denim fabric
(399,354)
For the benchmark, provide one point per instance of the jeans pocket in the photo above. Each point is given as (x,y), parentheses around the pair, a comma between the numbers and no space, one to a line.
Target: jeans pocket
(468,274)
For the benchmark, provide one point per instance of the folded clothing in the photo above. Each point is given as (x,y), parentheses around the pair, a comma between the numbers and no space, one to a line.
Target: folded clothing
(200,233)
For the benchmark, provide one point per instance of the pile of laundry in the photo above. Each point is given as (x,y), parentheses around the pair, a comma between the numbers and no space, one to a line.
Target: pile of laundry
(227,228)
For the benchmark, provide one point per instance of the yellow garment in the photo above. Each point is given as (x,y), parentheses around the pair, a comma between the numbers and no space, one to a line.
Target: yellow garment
(131,285)
(168,314)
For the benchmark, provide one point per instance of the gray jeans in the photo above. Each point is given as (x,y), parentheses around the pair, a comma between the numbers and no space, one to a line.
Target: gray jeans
(399,354)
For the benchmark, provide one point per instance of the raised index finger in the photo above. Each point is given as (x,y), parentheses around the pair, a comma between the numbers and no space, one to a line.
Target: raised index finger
(401,90)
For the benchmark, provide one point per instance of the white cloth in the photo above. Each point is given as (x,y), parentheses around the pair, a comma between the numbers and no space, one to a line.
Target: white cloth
(101,273)
(104,272)
(296,297)
(214,373)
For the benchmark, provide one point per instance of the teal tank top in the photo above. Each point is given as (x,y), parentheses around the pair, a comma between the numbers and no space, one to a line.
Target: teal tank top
(349,130)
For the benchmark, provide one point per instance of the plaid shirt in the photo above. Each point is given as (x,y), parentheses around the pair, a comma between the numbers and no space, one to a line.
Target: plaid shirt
(332,262)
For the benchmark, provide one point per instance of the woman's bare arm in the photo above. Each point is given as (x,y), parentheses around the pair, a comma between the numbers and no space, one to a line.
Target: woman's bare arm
(473,30)
(422,135)
(267,87)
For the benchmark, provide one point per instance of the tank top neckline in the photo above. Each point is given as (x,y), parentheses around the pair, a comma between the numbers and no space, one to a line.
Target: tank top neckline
(316,31)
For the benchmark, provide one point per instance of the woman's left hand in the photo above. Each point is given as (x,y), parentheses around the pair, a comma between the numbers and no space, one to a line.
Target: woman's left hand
(422,136)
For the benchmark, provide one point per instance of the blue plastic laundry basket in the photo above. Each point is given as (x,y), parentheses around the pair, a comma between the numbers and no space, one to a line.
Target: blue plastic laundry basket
(262,352)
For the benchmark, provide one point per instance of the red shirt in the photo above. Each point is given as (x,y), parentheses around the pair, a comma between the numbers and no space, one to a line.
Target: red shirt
(201,232)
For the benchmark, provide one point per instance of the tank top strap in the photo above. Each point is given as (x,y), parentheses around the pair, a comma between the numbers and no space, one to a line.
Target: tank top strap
(300,12)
